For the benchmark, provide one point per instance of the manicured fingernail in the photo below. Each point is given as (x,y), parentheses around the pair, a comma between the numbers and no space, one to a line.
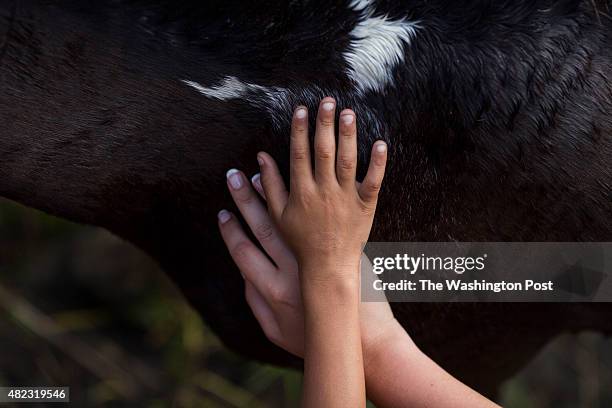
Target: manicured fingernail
(347,119)
(381,147)
(224,216)
(256,180)
(328,106)
(235,180)
(260,160)
(300,113)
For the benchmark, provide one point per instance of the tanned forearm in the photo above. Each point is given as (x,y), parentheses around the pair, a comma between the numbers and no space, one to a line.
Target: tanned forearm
(399,375)
(333,367)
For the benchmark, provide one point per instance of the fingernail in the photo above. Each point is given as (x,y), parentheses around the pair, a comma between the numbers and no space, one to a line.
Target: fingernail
(260,160)
(381,147)
(300,113)
(347,119)
(328,106)
(224,216)
(234,178)
(256,180)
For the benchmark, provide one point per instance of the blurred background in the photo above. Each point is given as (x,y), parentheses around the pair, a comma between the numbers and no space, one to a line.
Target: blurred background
(81,308)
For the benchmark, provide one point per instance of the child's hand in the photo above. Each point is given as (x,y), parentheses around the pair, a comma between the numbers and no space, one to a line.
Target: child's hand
(327,217)
(272,289)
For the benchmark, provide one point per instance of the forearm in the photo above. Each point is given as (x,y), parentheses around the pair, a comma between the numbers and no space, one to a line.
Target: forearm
(398,374)
(333,366)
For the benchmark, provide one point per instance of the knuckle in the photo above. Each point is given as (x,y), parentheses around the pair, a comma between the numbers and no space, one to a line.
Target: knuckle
(327,198)
(348,133)
(299,128)
(264,231)
(348,137)
(372,187)
(327,121)
(278,294)
(303,197)
(300,153)
(323,152)
(346,162)
(241,251)
(245,197)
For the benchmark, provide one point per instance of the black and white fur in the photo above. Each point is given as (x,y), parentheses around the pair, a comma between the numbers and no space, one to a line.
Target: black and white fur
(126,114)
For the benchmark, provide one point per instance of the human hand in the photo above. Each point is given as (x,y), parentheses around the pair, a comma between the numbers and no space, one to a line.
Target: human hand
(326,218)
(272,288)
(273,292)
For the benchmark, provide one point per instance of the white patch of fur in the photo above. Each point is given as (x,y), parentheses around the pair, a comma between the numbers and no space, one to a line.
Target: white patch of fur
(274,100)
(278,102)
(359,5)
(230,88)
(376,49)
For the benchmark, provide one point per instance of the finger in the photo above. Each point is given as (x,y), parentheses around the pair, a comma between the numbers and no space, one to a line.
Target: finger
(256,182)
(300,168)
(325,142)
(368,191)
(261,310)
(252,262)
(256,216)
(273,185)
(346,162)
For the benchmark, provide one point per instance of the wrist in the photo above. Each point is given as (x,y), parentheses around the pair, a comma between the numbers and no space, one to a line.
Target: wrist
(323,272)
(323,268)
(335,259)
(324,286)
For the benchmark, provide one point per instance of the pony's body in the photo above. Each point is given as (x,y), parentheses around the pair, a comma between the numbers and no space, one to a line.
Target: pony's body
(498,117)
